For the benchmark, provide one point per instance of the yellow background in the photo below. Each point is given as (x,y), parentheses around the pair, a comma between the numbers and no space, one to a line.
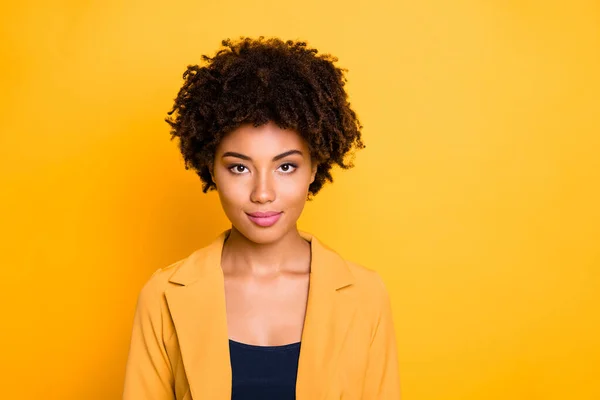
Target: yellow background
(477,197)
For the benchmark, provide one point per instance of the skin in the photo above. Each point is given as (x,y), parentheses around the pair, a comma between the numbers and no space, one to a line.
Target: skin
(266,269)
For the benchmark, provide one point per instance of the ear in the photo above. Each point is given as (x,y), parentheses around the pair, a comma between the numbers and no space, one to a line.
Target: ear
(313,172)
(211,170)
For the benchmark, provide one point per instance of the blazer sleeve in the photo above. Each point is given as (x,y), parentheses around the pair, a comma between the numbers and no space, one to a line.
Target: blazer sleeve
(148,372)
(382,381)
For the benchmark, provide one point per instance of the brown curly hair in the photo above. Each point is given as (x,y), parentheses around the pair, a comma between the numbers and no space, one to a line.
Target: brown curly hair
(261,80)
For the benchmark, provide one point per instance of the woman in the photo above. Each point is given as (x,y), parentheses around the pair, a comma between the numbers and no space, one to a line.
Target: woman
(264,311)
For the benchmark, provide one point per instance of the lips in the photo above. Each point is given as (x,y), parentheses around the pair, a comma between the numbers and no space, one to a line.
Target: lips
(264,214)
(264,219)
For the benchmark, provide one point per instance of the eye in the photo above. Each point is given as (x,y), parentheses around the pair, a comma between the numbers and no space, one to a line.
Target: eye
(288,168)
(237,169)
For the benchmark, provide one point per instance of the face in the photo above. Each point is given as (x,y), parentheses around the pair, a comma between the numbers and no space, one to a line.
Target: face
(263,169)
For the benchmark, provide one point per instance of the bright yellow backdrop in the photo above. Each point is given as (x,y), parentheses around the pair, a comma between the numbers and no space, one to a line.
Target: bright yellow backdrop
(477,197)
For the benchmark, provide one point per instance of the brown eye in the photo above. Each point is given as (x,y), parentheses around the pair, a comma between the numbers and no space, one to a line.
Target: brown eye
(288,168)
(237,169)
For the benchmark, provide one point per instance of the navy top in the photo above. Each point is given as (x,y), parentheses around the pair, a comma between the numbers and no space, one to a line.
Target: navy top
(264,372)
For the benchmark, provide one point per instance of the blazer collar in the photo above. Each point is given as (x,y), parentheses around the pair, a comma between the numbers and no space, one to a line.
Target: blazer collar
(198,310)
(208,260)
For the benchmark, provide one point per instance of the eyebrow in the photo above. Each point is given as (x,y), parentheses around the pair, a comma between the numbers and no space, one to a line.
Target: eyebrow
(277,157)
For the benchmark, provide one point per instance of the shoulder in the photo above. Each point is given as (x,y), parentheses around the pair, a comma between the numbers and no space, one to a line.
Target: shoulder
(371,298)
(369,285)
(367,278)
(153,289)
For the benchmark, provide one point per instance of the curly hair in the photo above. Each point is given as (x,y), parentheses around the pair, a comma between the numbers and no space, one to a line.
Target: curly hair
(261,80)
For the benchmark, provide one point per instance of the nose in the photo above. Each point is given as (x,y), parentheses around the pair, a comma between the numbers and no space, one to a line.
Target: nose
(263,190)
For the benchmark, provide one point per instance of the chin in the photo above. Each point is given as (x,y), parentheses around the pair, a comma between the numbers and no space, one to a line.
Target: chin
(261,235)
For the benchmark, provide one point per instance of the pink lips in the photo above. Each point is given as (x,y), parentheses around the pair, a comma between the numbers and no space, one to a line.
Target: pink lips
(264,218)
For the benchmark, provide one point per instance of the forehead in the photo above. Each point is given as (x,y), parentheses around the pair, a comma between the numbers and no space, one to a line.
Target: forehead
(266,140)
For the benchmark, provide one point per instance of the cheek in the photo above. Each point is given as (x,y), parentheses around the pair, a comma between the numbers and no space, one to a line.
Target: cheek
(294,191)
(231,193)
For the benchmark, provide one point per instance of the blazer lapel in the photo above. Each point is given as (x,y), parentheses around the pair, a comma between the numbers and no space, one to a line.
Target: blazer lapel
(328,316)
(198,310)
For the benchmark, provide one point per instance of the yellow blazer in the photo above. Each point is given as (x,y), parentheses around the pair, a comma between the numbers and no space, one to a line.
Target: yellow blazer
(180,345)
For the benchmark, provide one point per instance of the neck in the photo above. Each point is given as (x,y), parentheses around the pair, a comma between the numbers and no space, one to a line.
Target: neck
(290,253)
